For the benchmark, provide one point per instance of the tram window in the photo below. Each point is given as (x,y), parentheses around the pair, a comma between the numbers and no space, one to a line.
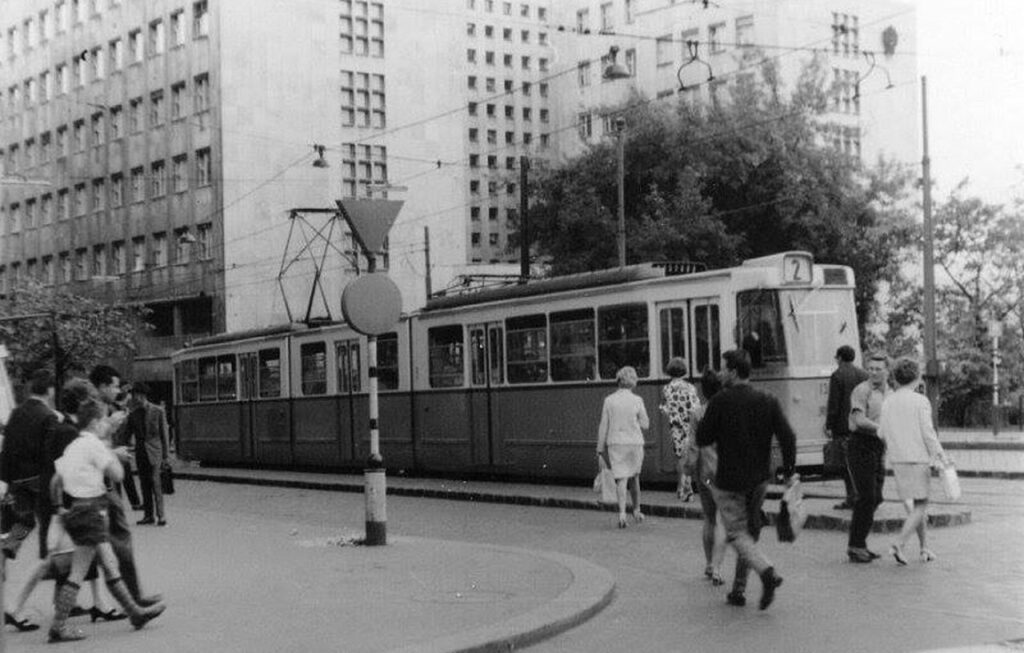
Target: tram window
(446,356)
(349,372)
(526,341)
(387,361)
(188,382)
(673,335)
(270,373)
(208,379)
(313,361)
(573,350)
(227,385)
(622,339)
(760,326)
(707,339)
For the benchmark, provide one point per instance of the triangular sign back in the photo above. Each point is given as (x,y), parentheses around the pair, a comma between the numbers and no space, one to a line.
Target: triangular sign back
(370,220)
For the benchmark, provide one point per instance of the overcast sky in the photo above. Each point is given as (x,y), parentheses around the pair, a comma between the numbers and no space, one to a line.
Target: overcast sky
(973,56)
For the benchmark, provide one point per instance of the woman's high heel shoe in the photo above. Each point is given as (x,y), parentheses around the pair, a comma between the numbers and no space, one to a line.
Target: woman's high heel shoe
(110,615)
(23,625)
(638,516)
(622,521)
(897,553)
(927,555)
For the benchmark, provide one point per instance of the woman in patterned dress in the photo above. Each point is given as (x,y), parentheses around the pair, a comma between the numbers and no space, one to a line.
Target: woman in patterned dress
(680,406)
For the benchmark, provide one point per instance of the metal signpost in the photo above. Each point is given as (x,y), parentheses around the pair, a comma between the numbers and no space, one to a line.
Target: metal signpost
(372,305)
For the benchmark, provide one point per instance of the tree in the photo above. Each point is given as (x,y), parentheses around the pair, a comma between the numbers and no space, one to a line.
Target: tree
(723,183)
(63,331)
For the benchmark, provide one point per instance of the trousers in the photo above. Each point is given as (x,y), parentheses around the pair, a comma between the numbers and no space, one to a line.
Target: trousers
(741,514)
(867,470)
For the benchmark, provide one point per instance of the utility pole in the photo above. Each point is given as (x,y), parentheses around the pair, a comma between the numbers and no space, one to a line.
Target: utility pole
(524,219)
(931,373)
(426,258)
(620,124)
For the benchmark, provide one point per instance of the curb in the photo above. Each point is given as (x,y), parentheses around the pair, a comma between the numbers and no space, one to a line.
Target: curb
(814,521)
(591,590)
(997,647)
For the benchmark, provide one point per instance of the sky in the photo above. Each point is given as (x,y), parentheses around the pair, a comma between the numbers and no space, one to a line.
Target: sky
(972,54)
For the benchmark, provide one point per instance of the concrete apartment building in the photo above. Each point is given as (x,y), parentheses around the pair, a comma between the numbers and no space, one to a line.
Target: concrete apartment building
(153,150)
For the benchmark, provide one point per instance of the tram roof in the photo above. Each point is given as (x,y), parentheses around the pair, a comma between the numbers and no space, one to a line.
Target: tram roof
(248,334)
(569,282)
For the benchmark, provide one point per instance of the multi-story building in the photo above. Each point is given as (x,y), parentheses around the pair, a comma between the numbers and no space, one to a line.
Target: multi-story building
(154,151)
(695,51)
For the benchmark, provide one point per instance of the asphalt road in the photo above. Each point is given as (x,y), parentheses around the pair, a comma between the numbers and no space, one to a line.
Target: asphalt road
(973,593)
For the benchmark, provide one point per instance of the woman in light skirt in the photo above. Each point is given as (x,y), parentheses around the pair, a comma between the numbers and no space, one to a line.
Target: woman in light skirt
(912,445)
(620,440)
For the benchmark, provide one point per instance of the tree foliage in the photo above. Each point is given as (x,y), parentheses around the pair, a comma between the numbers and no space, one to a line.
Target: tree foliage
(67,333)
(719,184)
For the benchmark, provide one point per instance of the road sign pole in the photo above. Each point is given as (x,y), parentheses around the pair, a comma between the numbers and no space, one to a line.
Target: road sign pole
(374,476)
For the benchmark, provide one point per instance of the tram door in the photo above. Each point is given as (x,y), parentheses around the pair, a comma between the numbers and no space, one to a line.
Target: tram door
(487,360)
(346,354)
(674,341)
(247,368)
(706,335)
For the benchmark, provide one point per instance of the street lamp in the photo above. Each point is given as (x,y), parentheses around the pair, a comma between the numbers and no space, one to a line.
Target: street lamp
(612,72)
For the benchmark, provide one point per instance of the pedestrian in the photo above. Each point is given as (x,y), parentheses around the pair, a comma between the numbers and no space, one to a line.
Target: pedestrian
(79,475)
(121,404)
(704,465)
(108,382)
(679,405)
(24,465)
(840,385)
(865,455)
(620,440)
(741,422)
(911,446)
(147,427)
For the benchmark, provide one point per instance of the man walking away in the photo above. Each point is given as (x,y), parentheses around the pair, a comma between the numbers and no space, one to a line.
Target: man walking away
(24,465)
(866,455)
(842,382)
(147,424)
(741,421)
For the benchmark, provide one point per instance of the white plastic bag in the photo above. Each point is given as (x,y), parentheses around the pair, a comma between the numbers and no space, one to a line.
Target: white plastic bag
(950,482)
(604,483)
(792,512)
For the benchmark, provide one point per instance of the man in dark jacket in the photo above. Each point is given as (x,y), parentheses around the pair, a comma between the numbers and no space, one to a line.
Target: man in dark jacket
(24,464)
(837,421)
(741,421)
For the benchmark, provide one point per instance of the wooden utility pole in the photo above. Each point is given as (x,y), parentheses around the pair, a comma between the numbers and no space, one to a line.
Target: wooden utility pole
(931,369)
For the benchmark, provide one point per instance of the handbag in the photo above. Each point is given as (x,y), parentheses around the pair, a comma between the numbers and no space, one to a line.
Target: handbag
(950,482)
(166,478)
(604,483)
(792,513)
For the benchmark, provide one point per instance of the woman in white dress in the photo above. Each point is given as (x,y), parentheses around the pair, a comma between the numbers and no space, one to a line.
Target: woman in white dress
(620,440)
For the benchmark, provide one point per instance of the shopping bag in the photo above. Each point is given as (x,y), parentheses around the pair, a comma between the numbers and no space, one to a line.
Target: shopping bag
(950,482)
(792,513)
(604,483)
(166,478)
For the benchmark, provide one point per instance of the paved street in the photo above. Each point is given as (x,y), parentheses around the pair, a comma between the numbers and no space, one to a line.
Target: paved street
(248,568)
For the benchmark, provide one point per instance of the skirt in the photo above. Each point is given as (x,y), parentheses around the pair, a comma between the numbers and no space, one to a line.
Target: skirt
(86,522)
(912,480)
(626,459)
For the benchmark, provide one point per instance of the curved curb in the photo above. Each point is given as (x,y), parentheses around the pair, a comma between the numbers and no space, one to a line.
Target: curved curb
(998,647)
(592,588)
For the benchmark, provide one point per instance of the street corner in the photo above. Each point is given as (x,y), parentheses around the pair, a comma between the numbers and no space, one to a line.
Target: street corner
(1006,646)
(505,598)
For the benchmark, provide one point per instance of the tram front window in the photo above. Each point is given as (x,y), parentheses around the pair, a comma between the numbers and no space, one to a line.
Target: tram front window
(818,321)
(760,327)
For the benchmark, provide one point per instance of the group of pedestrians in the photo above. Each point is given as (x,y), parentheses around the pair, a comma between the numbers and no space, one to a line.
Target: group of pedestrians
(723,443)
(62,464)
(881,418)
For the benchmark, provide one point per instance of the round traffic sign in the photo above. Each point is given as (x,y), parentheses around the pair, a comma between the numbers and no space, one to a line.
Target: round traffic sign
(372,304)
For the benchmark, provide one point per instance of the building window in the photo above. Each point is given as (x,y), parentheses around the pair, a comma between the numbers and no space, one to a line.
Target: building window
(138,184)
(116,122)
(159,250)
(200,20)
(45,207)
(362,30)
(117,257)
(116,190)
(135,48)
(98,68)
(116,50)
(157,182)
(156,108)
(583,21)
(61,81)
(716,36)
(845,35)
(63,204)
(156,38)
(138,254)
(65,267)
(607,19)
(79,135)
(98,135)
(135,115)
(471,82)
(98,194)
(49,271)
(30,214)
(471,55)
(44,86)
(584,125)
(583,73)
(99,261)
(203,167)
(203,241)
(180,172)
(178,101)
(631,61)
(745,31)
(81,201)
(178,28)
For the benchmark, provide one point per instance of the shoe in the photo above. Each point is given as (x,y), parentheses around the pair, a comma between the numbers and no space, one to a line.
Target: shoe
(897,553)
(859,555)
(845,505)
(78,611)
(638,516)
(145,521)
(110,615)
(874,556)
(64,634)
(736,598)
(147,601)
(717,580)
(770,581)
(161,522)
(622,521)
(927,555)
(23,625)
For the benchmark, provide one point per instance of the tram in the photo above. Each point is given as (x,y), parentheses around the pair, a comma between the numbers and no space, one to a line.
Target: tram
(508,382)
